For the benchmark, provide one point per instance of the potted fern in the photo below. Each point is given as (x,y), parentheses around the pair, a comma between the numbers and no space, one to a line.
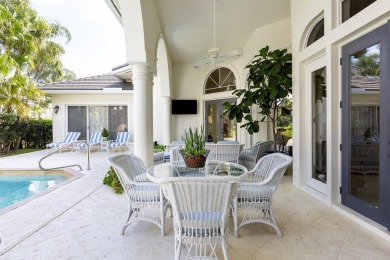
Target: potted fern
(194,152)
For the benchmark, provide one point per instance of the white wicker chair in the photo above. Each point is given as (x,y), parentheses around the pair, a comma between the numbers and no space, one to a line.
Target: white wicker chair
(146,200)
(249,157)
(255,194)
(158,156)
(174,154)
(200,214)
(223,151)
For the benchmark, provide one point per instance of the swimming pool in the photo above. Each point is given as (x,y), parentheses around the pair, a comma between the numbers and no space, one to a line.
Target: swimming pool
(16,186)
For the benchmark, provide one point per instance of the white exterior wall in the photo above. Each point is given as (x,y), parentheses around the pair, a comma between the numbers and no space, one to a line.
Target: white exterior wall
(60,120)
(329,48)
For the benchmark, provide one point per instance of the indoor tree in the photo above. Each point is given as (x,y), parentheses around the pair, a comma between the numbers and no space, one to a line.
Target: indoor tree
(269,83)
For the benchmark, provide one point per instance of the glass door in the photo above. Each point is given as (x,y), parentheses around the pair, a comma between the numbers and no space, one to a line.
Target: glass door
(365,122)
(217,128)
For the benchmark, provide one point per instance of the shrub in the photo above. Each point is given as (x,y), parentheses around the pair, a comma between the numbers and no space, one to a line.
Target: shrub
(112,180)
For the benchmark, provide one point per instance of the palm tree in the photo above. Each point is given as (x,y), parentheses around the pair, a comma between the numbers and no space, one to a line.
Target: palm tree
(27,55)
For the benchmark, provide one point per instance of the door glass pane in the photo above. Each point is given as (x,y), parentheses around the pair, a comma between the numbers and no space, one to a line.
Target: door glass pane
(212,122)
(364,124)
(117,120)
(229,128)
(77,120)
(319,125)
(97,118)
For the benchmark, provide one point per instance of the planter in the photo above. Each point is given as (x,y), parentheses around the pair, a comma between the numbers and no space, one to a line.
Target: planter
(198,162)
(105,138)
(195,162)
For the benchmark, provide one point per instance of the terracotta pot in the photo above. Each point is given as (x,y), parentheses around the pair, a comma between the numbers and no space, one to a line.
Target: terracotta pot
(195,162)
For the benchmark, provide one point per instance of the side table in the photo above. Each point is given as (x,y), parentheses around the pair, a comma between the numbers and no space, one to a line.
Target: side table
(104,145)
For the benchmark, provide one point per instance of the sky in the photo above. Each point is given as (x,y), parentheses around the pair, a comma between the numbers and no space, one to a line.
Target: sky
(97,43)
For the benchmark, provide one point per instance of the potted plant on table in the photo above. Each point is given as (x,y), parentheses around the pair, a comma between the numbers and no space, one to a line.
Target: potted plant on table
(194,152)
(105,134)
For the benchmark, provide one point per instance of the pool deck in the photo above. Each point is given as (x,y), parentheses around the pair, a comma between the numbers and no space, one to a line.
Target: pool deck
(83,220)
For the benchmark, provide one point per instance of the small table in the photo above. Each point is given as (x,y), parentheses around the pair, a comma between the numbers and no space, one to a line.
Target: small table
(104,145)
(177,169)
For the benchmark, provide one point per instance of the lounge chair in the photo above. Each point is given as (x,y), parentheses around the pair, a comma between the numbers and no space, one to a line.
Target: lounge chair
(121,142)
(69,139)
(93,143)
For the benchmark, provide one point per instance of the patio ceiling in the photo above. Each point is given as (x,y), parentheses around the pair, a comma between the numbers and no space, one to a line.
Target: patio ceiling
(188,24)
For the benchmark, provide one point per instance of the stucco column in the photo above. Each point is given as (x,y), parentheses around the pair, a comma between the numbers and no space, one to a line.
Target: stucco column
(143,113)
(167,119)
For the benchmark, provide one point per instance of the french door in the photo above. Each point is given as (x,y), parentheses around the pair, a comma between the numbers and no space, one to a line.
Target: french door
(217,128)
(366,126)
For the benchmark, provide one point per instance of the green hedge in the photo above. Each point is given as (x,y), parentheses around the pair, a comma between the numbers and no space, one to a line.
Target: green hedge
(24,133)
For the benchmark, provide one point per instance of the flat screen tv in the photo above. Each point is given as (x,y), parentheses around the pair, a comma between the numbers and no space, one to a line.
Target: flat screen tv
(184,107)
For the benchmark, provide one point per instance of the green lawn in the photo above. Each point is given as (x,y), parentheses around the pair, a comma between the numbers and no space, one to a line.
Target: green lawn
(20,151)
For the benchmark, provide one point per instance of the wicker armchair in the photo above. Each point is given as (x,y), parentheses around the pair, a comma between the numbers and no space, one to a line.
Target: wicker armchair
(158,156)
(249,157)
(200,214)
(175,155)
(255,194)
(227,152)
(146,200)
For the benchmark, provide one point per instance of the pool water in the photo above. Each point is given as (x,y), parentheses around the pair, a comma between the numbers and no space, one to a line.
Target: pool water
(14,188)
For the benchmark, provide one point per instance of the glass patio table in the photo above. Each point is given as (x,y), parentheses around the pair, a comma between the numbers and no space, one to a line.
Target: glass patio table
(176,169)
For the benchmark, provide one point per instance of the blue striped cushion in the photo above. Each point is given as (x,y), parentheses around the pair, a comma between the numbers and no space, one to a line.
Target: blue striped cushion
(122,137)
(96,137)
(70,137)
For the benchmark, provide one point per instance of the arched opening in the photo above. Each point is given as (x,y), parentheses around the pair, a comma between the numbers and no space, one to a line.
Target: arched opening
(162,122)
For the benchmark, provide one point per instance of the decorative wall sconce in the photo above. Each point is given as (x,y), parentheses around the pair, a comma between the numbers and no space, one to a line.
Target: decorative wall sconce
(56,108)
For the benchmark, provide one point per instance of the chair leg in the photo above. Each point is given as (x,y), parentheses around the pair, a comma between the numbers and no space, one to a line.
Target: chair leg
(235,216)
(162,213)
(225,249)
(177,247)
(274,225)
(127,220)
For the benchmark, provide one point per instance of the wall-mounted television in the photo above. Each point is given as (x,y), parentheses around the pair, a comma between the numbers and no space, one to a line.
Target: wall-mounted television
(184,107)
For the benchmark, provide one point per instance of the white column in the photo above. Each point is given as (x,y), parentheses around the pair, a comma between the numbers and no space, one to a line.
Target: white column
(143,113)
(167,119)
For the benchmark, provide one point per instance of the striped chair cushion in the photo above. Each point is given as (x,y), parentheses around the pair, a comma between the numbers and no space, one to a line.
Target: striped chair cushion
(96,137)
(122,137)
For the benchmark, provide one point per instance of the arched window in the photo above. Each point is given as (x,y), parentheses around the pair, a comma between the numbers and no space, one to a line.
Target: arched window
(220,80)
(316,33)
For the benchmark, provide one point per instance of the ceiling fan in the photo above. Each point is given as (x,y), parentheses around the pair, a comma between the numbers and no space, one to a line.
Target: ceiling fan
(215,55)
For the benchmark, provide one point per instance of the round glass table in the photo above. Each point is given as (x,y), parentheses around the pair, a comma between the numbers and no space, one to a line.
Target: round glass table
(213,168)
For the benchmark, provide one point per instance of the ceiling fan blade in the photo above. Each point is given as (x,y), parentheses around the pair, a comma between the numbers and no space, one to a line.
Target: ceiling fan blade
(222,56)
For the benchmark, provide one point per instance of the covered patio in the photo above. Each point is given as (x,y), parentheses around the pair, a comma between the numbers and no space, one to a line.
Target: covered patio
(83,220)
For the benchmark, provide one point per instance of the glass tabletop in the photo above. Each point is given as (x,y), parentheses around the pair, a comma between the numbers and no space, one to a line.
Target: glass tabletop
(176,169)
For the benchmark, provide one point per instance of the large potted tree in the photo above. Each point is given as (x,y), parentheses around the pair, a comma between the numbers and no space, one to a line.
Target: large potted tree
(269,83)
